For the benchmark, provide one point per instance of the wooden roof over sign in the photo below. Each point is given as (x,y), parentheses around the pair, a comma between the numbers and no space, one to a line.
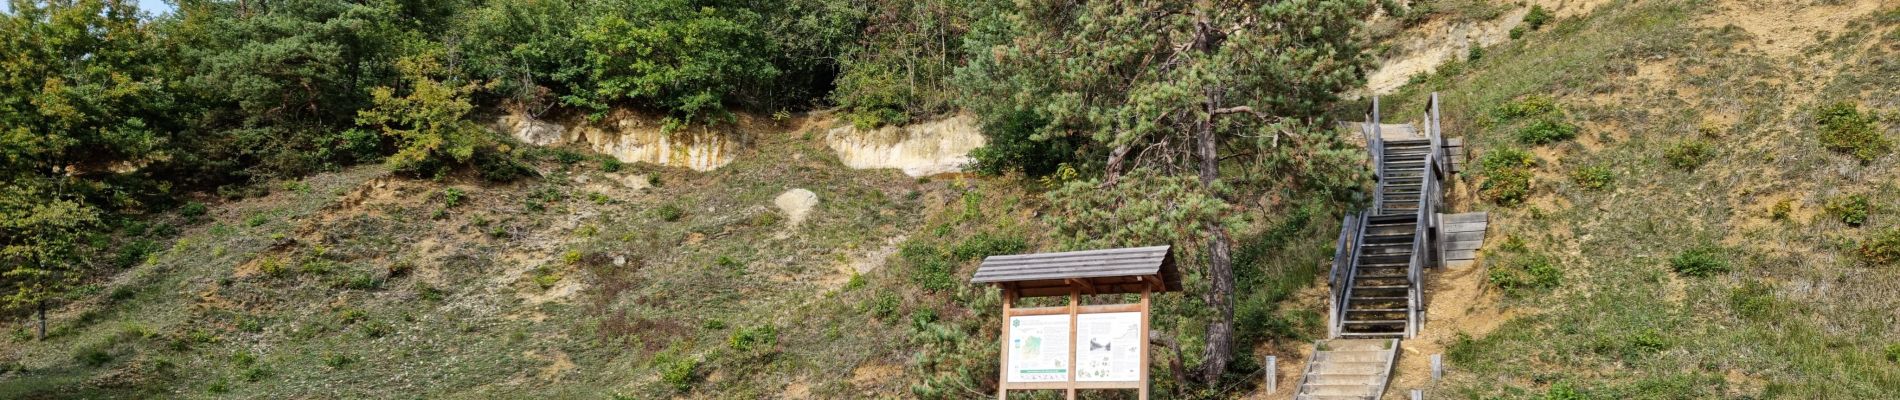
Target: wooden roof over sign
(1110,271)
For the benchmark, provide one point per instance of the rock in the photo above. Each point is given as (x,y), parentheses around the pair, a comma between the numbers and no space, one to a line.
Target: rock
(533,131)
(630,138)
(620,261)
(925,149)
(796,204)
(631,181)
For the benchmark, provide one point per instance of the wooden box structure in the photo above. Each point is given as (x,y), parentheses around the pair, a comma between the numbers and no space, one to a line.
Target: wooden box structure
(1045,340)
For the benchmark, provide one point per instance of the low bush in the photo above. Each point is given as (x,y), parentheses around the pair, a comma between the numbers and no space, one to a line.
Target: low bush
(192,209)
(1537,17)
(1546,131)
(1845,129)
(884,306)
(1850,209)
(1782,209)
(1700,261)
(930,267)
(1882,248)
(610,164)
(679,373)
(1506,176)
(1689,154)
(1596,177)
(1531,272)
(1528,107)
(452,197)
(747,339)
(93,355)
(669,213)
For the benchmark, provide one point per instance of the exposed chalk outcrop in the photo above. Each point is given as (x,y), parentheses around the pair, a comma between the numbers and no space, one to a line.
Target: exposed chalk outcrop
(631,139)
(930,148)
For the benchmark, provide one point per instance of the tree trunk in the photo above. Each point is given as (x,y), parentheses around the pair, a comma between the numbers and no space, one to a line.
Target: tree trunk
(42,312)
(1220,263)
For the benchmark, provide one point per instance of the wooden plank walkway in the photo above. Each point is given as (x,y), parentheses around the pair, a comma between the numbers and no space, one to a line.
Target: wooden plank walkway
(1460,236)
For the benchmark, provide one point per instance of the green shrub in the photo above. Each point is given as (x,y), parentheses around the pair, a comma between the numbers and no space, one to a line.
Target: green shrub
(1845,129)
(744,340)
(1688,154)
(93,355)
(1529,272)
(1528,107)
(192,209)
(1475,53)
(1893,353)
(1517,32)
(255,373)
(256,220)
(1882,248)
(1546,131)
(1850,209)
(1537,17)
(1782,209)
(546,278)
(669,213)
(1595,177)
(611,164)
(567,157)
(452,197)
(857,281)
(884,306)
(338,360)
(1507,176)
(1700,261)
(1564,390)
(680,373)
(931,268)
(363,281)
(1012,146)
(984,244)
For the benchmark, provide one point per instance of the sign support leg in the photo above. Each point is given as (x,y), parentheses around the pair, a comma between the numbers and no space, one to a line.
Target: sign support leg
(1074,295)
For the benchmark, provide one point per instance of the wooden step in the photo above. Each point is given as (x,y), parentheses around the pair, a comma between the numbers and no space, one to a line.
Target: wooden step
(1345,379)
(1336,390)
(1350,356)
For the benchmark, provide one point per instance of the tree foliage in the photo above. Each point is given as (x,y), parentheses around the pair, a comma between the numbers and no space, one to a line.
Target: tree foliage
(428,123)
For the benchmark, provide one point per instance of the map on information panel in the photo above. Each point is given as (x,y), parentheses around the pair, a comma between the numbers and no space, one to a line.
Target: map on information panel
(1039,348)
(1108,347)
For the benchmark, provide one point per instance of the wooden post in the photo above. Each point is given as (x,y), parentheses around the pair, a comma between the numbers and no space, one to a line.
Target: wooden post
(1074,294)
(1002,378)
(1273,374)
(1142,393)
(1438,368)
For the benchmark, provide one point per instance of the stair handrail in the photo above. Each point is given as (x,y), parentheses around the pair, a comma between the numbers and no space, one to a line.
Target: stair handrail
(1376,145)
(1352,274)
(1428,190)
(1342,250)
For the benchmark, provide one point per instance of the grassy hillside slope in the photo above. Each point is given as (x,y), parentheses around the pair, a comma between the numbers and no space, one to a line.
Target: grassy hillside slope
(641,282)
(1698,235)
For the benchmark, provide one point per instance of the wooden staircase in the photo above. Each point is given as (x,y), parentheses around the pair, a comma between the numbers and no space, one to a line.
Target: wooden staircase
(1348,369)
(1377,286)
